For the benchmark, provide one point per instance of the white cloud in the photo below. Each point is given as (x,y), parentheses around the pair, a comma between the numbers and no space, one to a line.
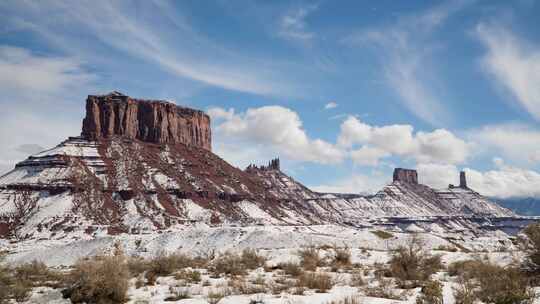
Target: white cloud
(151,36)
(276,128)
(440,146)
(437,175)
(405,50)
(514,63)
(34,90)
(23,73)
(516,142)
(330,105)
(502,182)
(292,25)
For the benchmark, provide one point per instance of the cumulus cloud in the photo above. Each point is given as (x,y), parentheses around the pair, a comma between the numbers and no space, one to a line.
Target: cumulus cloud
(439,146)
(330,105)
(502,182)
(519,143)
(277,128)
(514,63)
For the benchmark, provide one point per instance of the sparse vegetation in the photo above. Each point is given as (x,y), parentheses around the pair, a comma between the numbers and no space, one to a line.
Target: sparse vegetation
(321,282)
(310,258)
(341,258)
(411,265)
(383,234)
(431,293)
(491,283)
(99,280)
(347,300)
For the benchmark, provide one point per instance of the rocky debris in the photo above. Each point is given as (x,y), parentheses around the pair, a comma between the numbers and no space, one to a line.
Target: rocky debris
(405,175)
(153,121)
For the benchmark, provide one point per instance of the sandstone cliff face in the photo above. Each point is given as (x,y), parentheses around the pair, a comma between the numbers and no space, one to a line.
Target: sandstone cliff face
(154,121)
(406,175)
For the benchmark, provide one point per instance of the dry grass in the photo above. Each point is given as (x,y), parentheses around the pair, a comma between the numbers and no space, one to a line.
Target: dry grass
(384,289)
(310,258)
(501,285)
(431,293)
(321,282)
(411,265)
(340,259)
(99,280)
(347,300)
(178,293)
(291,269)
(189,276)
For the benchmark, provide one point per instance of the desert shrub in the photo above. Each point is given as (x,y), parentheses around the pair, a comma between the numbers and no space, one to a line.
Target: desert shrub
(411,265)
(341,258)
(321,282)
(431,293)
(227,263)
(290,268)
(383,234)
(357,279)
(533,248)
(384,289)
(216,295)
(251,259)
(178,293)
(464,291)
(310,258)
(20,291)
(190,276)
(347,300)
(491,283)
(502,285)
(460,268)
(99,280)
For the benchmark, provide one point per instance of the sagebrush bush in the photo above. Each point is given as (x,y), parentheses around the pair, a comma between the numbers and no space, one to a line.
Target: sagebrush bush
(310,258)
(347,300)
(341,258)
(99,280)
(321,282)
(491,283)
(411,265)
(290,268)
(431,293)
(251,259)
(227,263)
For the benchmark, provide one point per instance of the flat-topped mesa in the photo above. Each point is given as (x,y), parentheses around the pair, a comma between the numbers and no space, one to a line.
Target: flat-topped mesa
(156,121)
(405,175)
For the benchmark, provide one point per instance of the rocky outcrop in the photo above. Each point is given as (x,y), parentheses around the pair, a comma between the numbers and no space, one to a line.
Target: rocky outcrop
(272,165)
(405,175)
(153,121)
(462,180)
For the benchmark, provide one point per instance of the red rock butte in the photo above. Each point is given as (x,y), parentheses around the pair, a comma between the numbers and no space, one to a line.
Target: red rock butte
(156,121)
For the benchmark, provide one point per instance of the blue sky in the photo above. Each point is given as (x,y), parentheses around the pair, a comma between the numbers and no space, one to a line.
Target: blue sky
(341,91)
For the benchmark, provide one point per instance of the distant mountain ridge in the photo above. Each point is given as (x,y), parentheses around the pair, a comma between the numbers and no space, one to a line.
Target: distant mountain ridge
(527,206)
(153,170)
